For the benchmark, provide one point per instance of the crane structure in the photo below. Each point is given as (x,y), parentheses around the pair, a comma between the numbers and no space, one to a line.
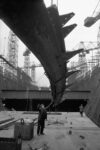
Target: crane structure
(98,43)
(29,68)
(88,58)
(86,62)
(33,72)
(26,55)
(82,59)
(12,49)
(89,21)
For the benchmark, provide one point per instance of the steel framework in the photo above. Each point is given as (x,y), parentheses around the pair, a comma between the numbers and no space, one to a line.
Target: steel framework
(13,49)
(26,55)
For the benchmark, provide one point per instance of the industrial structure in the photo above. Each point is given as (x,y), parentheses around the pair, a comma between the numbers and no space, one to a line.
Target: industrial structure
(43,35)
(13,49)
(26,55)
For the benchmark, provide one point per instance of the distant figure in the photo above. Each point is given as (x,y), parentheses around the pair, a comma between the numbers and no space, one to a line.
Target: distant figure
(81,109)
(41,119)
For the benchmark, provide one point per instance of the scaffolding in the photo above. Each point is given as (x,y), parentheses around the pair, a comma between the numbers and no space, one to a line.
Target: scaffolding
(88,59)
(12,55)
(98,42)
(26,55)
(33,73)
(82,61)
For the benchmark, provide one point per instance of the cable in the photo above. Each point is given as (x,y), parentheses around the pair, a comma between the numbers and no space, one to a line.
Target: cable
(95,7)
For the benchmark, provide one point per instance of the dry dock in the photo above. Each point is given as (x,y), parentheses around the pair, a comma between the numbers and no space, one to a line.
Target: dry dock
(65,131)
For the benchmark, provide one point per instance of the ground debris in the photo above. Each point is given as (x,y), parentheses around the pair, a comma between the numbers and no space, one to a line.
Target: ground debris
(82,137)
(55,123)
(43,147)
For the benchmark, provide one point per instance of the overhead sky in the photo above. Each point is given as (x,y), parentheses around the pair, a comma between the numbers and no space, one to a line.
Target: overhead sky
(82,9)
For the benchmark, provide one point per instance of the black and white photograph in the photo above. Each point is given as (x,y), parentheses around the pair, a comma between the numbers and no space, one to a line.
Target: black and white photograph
(49,74)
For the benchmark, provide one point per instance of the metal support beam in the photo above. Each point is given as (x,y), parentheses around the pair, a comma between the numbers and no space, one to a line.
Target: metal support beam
(46,95)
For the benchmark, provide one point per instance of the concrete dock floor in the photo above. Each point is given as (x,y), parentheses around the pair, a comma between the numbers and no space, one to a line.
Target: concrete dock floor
(68,131)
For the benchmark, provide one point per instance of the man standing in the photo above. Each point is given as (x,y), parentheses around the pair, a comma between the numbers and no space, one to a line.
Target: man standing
(81,108)
(41,119)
